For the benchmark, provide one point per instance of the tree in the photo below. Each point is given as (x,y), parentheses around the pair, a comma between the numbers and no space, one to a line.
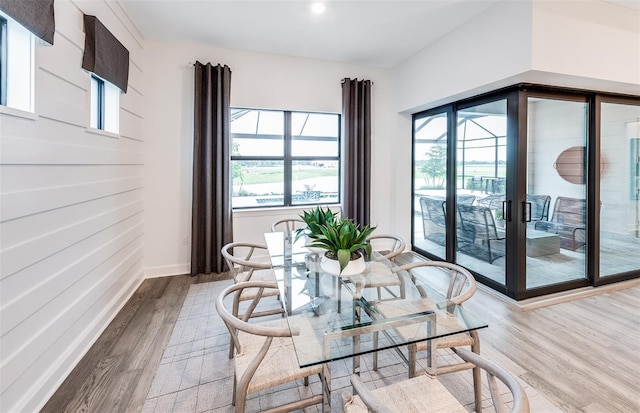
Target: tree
(435,167)
(237,168)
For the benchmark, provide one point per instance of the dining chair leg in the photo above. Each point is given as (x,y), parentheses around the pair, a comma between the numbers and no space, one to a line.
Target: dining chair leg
(412,350)
(477,388)
(233,396)
(477,372)
(325,381)
(375,352)
(235,310)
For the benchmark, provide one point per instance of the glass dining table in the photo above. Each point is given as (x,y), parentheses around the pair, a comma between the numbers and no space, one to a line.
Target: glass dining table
(337,317)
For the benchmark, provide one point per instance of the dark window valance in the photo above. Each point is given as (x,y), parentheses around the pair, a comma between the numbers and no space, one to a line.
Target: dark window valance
(104,55)
(36,15)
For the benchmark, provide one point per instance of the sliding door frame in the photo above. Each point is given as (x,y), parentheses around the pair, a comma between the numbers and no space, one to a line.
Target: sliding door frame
(517,141)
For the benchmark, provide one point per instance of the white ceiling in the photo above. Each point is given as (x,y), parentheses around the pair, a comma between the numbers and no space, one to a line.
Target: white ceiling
(379,33)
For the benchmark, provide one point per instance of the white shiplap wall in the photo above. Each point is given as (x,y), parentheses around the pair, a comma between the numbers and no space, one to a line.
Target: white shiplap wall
(71,212)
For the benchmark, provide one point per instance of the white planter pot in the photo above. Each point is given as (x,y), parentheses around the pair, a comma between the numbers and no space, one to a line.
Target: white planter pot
(353,268)
(308,241)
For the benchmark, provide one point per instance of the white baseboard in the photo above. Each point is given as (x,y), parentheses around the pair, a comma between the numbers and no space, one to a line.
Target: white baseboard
(57,374)
(167,270)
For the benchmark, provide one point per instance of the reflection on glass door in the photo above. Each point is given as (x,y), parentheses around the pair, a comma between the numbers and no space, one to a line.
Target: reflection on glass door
(430,182)
(619,189)
(555,208)
(480,188)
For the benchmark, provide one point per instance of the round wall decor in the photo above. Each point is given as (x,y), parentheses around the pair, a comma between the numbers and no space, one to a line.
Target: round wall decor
(570,165)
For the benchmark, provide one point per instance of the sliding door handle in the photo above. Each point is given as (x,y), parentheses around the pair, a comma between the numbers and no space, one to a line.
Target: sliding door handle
(526,212)
(506,210)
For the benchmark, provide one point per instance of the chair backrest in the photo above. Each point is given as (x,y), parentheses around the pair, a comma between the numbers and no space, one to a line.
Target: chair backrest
(539,207)
(569,211)
(287,225)
(492,202)
(389,245)
(238,256)
(458,286)
(235,323)
(465,199)
(520,403)
(495,373)
(477,220)
(433,210)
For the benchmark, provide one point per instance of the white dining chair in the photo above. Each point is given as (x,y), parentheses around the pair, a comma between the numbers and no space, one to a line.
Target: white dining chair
(265,356)
(457,285)
(427,394)
(287,225)
(244,266)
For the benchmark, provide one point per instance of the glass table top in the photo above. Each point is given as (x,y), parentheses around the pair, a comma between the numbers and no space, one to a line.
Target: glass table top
(336,317)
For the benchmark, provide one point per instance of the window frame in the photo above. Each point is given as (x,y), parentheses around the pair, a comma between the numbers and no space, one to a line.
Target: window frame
(107,105)
(100,104)
(3,61)
(17,67)
(288,159)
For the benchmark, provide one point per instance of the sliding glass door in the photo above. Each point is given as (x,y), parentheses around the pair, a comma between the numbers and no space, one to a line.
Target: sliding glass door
(430,183)
(555,208)
(481,182)
(535,190)
(619,185)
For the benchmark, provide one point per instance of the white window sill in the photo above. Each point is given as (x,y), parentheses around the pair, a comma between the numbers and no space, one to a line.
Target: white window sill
(104,133)
(18,113)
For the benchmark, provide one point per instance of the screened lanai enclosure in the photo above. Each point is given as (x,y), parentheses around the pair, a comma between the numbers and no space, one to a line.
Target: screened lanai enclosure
(282,158)
(536,190)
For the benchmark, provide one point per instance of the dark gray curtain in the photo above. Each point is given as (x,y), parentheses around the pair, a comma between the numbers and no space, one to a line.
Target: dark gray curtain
(211,225)
(356,115)
(103,54)
(36,15)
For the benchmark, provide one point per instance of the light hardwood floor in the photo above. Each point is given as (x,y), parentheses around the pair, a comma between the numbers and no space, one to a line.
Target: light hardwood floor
(583,355)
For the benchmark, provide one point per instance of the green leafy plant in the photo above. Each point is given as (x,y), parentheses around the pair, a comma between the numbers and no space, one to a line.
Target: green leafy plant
(314,220)
(344,240)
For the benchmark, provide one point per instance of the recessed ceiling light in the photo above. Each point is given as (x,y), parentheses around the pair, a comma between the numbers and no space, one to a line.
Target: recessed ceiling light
(317,8)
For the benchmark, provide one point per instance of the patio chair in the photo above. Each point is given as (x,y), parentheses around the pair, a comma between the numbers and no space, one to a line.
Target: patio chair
(433,219)
(477,233)
(244,267)
(427,394)
(265,356)
(287,225)
(539,207)
(457,285)
(568,221)
(465,199)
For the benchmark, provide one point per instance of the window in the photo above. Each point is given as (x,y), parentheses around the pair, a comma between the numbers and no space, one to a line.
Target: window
(284,158)
(3,61)
(105,105)
(16,65)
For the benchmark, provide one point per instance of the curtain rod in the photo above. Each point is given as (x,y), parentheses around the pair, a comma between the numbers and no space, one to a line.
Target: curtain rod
(363,80)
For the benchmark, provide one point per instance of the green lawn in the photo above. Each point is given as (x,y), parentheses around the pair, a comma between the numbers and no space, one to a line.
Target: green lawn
(268,175)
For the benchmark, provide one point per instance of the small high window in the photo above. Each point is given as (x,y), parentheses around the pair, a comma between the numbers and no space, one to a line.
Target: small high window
(16,65)
(105,105)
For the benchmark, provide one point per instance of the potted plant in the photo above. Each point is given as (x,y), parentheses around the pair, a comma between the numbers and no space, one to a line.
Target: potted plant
(346,246)
(314,220)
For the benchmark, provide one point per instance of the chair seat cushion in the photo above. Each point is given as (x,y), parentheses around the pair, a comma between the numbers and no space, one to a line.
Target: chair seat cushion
(444,323)
(420,394)
(379,275)
(279,366)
